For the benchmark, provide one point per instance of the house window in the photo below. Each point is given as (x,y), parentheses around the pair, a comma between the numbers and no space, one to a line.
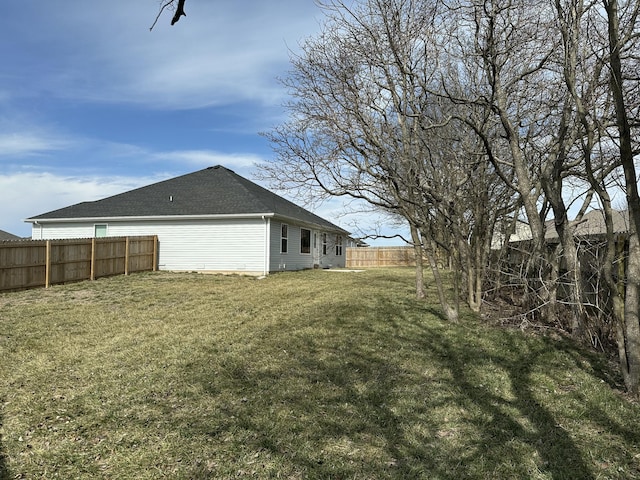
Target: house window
(100,231)
(324,243)
(305,240)
(284,238)
(339,245)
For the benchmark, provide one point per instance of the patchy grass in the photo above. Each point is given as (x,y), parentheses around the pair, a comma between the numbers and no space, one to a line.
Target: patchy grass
(299,375)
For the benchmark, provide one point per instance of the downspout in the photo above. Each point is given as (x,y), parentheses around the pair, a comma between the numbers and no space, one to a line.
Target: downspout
(35,222)
(267,244)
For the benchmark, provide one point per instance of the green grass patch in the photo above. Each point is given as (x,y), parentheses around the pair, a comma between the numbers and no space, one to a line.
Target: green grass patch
(301,375)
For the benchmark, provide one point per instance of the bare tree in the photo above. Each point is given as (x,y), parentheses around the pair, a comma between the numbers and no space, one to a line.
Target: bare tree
(619,42)
(518,56)
(347,136)
(601,75)
(364,124)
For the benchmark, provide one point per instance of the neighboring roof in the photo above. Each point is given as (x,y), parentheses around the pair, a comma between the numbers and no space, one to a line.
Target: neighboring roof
(592,224)
(521,232)
(8,236)
(360,243)
(208,192)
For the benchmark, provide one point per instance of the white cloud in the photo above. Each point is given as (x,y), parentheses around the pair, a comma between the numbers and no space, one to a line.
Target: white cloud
(30,190)
(208,158)
(222,51)
(28,194)
(33,148)
(25,144)
(21,136)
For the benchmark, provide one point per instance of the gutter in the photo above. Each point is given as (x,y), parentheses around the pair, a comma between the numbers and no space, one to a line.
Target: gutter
(39,225)
(317,226)
(287,219)
(38,221)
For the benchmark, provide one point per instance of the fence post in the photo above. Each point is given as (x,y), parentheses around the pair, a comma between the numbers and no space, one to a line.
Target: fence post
(93,259)
(47,266)
(155,253)
(126,255)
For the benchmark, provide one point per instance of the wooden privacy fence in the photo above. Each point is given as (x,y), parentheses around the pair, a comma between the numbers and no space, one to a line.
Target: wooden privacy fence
(41,263)
(358,257)
(363,257)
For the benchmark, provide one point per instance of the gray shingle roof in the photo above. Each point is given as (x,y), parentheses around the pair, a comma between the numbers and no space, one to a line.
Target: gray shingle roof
(592,224)
(212,191)
(8,236)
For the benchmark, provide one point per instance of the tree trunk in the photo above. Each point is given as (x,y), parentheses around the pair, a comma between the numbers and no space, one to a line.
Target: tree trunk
(632,293)
(475,267)
(449,310)
(418,250)
(573,278)
(615,255)
(536,263)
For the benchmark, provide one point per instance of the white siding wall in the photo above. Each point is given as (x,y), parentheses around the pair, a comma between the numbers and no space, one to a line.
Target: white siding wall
(202,245)
(62,230)
(293,259)
(331,259)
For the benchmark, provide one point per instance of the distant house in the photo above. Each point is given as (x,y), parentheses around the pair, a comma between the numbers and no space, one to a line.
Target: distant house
(8,236)
(212,220)
(592,226)
(519,231)
(590,235)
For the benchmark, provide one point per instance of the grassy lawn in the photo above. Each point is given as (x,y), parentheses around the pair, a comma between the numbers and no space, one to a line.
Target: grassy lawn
(312,374)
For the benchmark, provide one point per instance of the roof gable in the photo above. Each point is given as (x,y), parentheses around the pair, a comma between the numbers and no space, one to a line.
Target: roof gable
(211,191)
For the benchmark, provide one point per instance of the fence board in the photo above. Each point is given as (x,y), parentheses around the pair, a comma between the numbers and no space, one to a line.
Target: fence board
(70,260)
(380,257)
(370,257)
(110,257)
(38,263)
(22,265)
(139,258)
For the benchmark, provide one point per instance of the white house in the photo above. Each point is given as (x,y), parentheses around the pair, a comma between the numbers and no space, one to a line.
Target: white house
(212,220)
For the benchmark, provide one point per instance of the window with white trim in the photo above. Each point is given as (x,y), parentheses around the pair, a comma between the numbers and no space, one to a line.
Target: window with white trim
(284,238)
(339,245)
(324,243)
(100,231)
(305,240)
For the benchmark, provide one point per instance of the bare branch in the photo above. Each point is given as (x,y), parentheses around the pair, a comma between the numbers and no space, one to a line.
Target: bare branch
(179,11)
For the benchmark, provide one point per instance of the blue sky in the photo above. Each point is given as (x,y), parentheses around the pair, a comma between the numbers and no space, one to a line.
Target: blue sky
(92,103)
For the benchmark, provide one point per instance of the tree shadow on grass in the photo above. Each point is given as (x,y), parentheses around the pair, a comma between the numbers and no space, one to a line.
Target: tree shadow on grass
(327,410)
(396,398)
(510,421)
(4,469)
(318,412)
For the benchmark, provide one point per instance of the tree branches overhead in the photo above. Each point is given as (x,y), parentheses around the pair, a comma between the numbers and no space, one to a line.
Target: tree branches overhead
(178,8)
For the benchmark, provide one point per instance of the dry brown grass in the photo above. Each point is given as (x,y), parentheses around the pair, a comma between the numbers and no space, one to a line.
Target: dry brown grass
(299,375)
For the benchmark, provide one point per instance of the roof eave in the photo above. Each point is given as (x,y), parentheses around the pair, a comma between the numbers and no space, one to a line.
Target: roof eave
(318,226)
(148,217)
